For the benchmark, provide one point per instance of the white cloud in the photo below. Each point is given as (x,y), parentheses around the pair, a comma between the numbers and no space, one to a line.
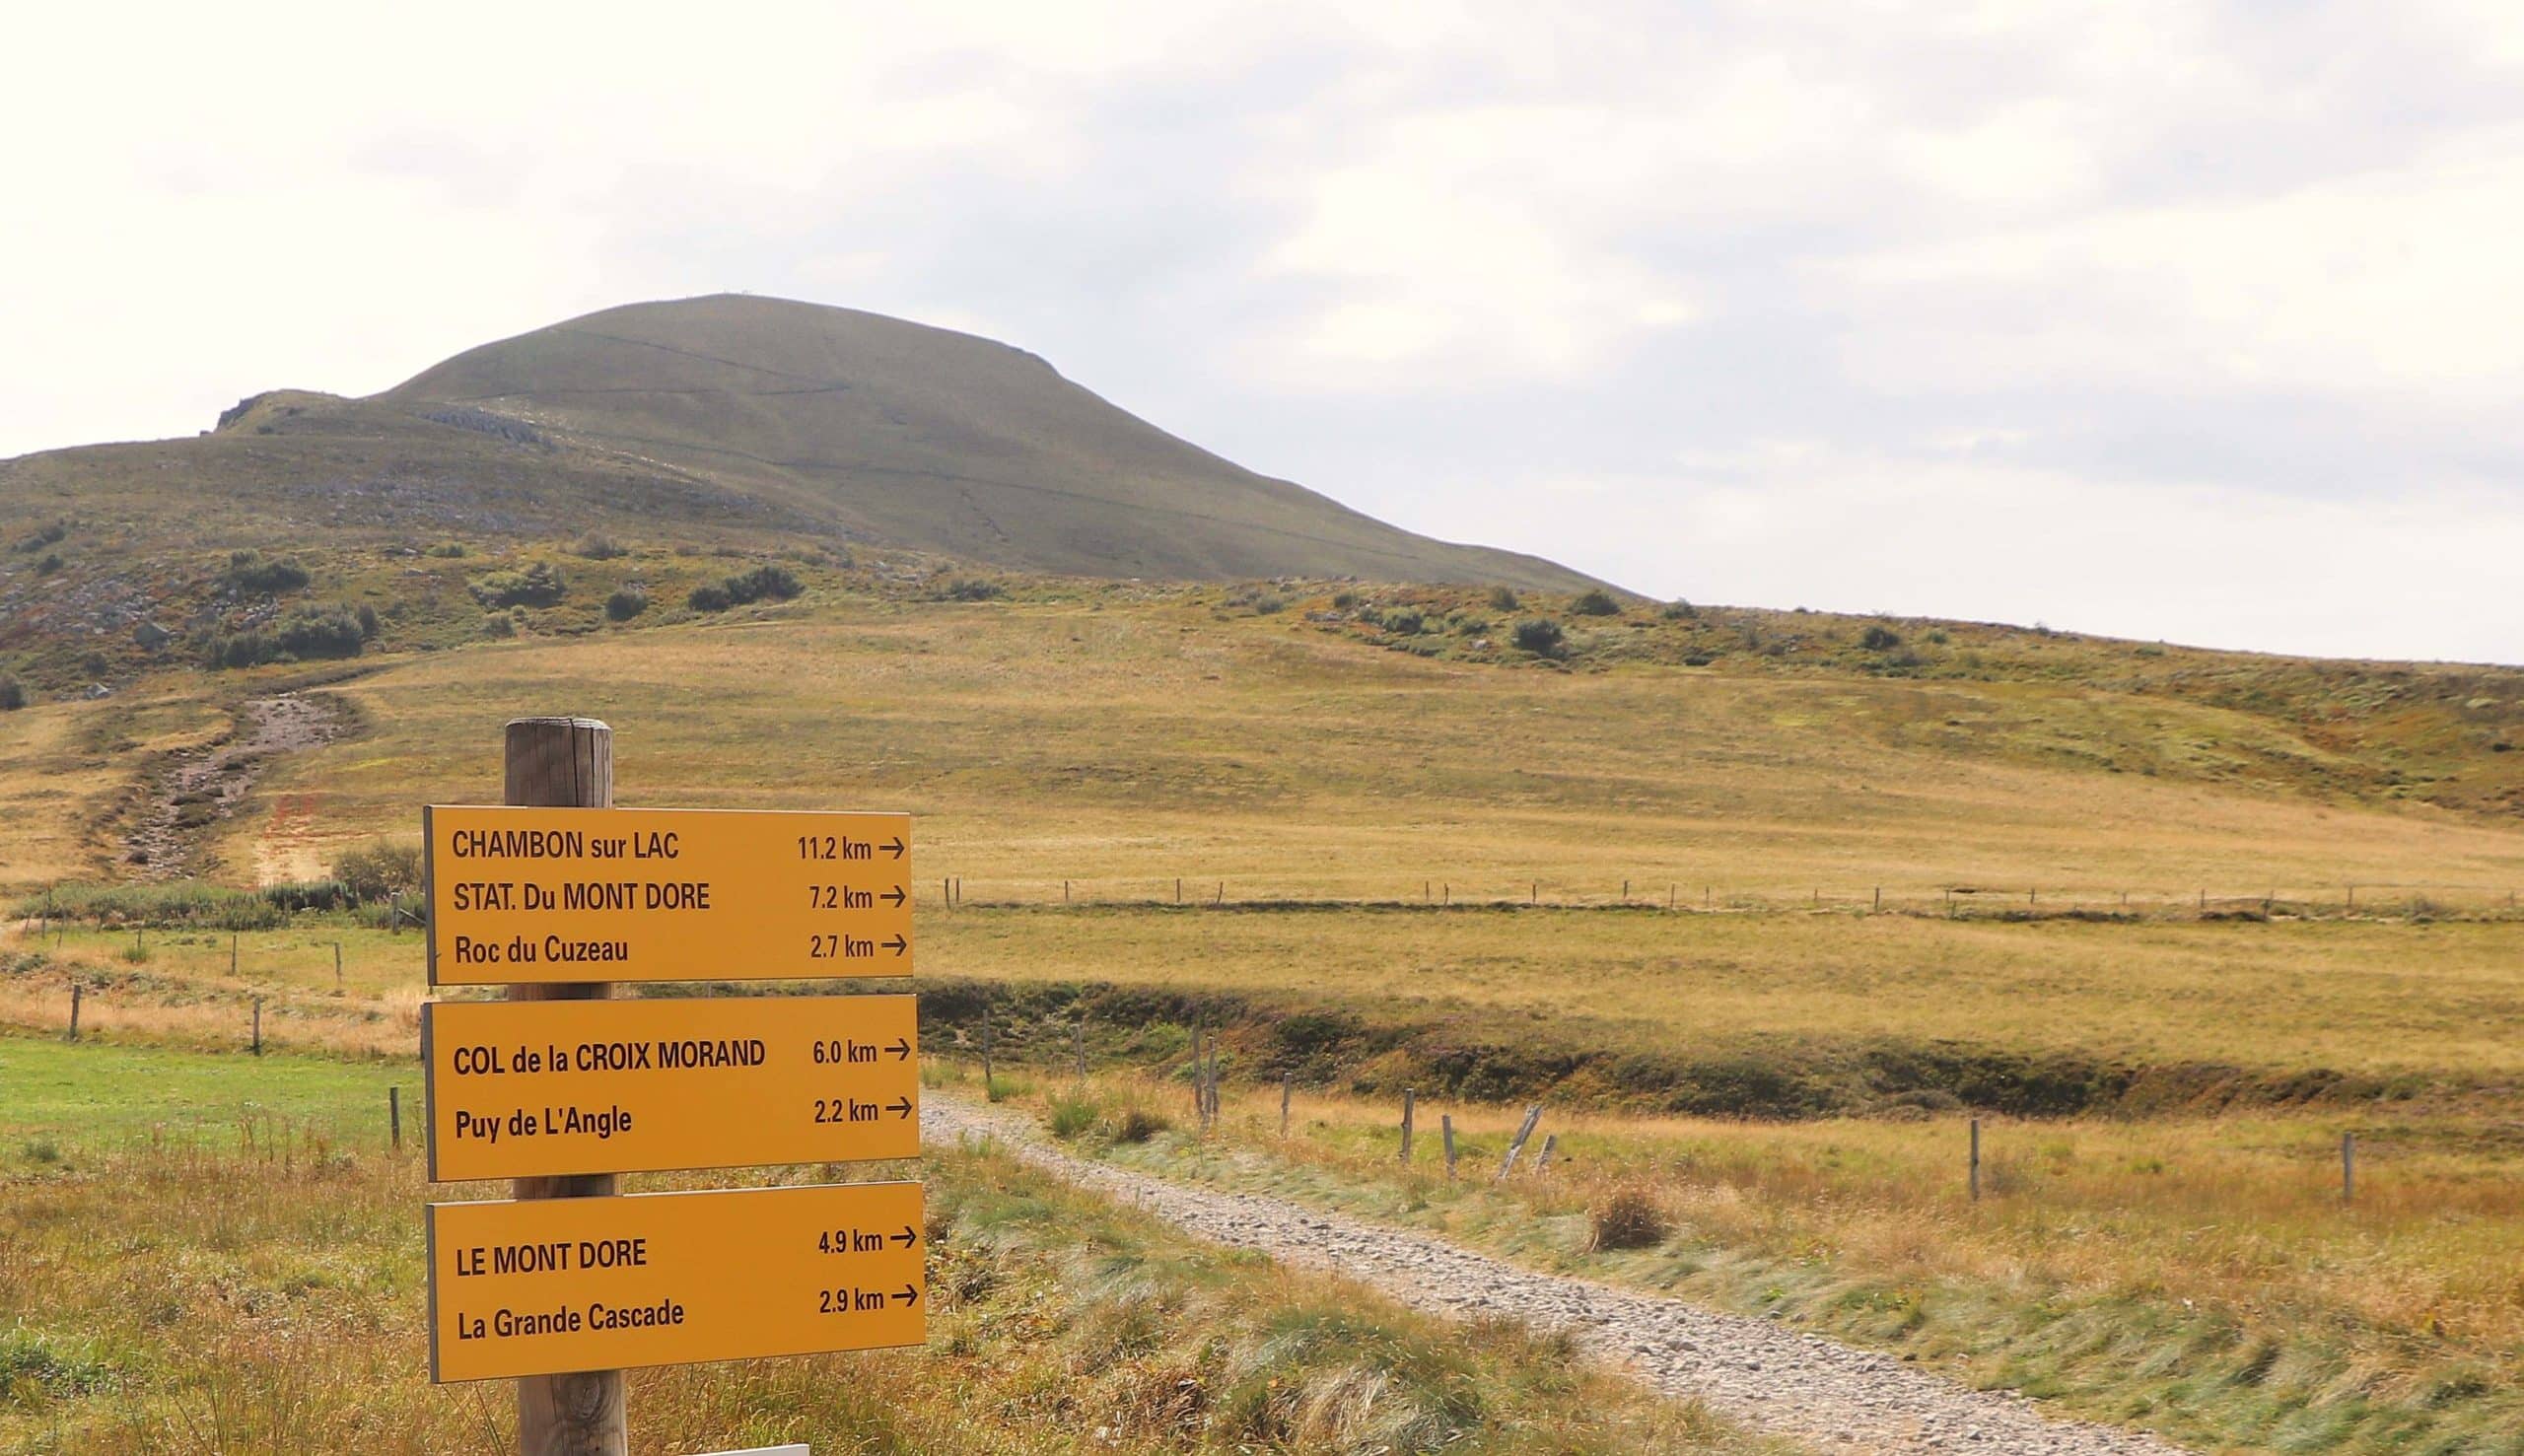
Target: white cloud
(1910,305)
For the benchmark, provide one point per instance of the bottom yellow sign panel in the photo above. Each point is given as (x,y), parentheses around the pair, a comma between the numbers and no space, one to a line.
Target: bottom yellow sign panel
(604,1284)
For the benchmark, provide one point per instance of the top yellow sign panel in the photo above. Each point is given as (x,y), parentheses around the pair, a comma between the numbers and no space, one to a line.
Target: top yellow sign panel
(537,894)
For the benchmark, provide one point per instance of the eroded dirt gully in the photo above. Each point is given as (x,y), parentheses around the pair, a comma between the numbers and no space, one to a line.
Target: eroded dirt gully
(196,789)
(1814,1390)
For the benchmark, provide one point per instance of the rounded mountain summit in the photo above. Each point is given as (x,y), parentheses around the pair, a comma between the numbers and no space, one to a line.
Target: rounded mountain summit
(926,437)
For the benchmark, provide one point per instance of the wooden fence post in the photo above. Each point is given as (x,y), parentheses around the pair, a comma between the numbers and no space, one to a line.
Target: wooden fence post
(1879,898)
(1524,1129)
(394,1117)
(1542,1159)
(1288,1086)
(1178,889)
(232,955)
(76,990)
(1407,1096)
(337,965)
(1976,1160)
(2349,1167)
(565,763)
(259,1026)
(1446,1128)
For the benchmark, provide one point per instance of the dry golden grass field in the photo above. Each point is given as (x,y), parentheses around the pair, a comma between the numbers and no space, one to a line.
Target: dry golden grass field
(1762,929)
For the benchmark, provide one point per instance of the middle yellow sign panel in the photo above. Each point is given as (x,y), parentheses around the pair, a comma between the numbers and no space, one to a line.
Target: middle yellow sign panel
(520,1089)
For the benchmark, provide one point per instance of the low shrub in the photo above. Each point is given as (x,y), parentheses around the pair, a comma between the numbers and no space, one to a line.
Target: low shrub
(310,894)
(1138,1123)
(1878,638)
(1630,1217)
(449,549)
(767,583)
(710,596)
(379,870)
(1504,599)
(972,589)
(1679,610)
(13,693)
(1072,1117)
(1594,603)
(1404,621)
(625,604)
(498,625)
(539,585)
(250,574)
(51,563)
(1341,601)
(597,546)
(1539,636)
(41,537)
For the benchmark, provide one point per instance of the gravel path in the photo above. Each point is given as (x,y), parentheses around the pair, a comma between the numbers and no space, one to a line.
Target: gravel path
(221,776)
(1775,1379)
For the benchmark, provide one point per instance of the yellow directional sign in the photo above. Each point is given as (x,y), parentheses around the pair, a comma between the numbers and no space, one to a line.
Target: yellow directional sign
(530,1088)
(604,1284)
(537,894)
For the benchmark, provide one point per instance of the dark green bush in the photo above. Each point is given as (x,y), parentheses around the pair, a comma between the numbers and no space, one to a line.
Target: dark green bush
(539,585)
(597,546)
(625,604)
(13,693)
(498,625)
(764,584)
(312,633)
(1404,621)
(1341,601)
(379,870)
(1503,600)
(1594,603)
(1878,638)
(449,549)
(368,623)
(313,894)
(972,589)
(42,537)
(1679,610)
(250,575)
(51,563)
(1539,636)
(710,596)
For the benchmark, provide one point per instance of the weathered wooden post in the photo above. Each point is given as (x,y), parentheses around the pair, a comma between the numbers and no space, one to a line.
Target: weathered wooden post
(75,992)
(1288,1089)
(1446,1128)
(232,955)
(1976,1160)
(1178,889)
(565,763)
(394,1117)
(259,1026)
(1879,898)
(2349,1167)
(1542,1160)
(1407,1096)
(337,965)
(1516,1146)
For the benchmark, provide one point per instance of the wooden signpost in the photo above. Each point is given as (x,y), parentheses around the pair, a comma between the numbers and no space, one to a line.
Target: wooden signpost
(542,895)
(557,894)
(626,1087)
(661,1279)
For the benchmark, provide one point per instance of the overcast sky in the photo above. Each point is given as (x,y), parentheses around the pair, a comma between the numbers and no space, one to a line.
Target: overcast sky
(2164,321)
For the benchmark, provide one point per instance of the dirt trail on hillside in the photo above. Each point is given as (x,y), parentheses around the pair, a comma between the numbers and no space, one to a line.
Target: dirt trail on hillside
(199,788)
(1803,1386)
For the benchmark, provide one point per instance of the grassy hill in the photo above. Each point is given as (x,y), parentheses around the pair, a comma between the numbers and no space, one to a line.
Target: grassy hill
(924,438)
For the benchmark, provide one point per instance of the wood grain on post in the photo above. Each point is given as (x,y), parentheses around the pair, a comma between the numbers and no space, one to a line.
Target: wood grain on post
(1408,1097)
(565,763)
(76,990)
(1446,1128)
(1287,1090)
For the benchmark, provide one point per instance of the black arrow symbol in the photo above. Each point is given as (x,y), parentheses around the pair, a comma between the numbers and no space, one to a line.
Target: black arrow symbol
(894,846)
(898,945)
(900,1107)
(906,1238)
(907,1294)
(901,1049)
(894,896)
